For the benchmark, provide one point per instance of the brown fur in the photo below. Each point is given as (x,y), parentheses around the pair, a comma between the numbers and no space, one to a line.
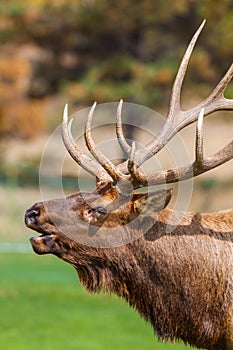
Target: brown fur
(179,278)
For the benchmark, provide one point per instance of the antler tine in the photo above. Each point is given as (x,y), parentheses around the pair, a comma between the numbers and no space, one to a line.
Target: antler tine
(120,135)
(131,163)
(83,160)
(199,138)
(176,90)
(216,100)
(175,113)
(201,165)
(97,154)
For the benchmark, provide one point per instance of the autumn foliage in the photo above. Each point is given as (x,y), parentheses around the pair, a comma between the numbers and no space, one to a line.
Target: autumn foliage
(103,50)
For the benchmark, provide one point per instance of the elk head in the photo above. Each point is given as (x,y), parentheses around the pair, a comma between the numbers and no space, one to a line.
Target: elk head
(115,203)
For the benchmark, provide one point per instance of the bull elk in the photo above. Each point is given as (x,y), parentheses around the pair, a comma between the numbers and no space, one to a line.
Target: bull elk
(180,280)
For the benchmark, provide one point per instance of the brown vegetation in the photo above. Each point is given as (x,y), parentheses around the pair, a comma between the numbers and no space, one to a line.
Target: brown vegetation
(77,49)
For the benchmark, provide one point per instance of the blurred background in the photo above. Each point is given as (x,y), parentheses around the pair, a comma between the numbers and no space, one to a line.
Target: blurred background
(54,52)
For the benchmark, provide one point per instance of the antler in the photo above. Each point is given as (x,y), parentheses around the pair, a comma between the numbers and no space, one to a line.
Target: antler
(102,168)
(83,160)
(97,154)
(176,120)
(199,166)
(120,135)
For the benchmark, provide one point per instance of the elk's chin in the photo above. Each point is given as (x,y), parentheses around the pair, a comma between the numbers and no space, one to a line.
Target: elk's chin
(44,244)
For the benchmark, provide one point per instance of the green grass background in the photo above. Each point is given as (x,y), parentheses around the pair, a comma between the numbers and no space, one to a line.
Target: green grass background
(44,307)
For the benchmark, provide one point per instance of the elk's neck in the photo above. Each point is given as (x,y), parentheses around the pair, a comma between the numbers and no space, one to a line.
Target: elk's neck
(122,270)
(154,274)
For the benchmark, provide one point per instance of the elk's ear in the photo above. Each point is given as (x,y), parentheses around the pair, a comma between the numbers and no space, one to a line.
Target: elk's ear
(151,202)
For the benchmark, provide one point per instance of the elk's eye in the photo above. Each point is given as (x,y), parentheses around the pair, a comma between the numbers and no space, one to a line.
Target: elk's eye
(101,210)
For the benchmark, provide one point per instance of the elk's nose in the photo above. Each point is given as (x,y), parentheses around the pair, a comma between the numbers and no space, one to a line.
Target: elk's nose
(32,214)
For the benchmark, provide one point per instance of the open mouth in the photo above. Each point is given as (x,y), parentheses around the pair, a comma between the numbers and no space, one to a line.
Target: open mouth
(44,243)
(42,237)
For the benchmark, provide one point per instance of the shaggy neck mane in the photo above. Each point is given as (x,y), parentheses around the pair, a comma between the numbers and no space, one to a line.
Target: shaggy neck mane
(153,274)
(117,269)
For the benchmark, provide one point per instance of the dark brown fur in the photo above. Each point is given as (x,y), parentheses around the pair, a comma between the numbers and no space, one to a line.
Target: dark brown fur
(180,280)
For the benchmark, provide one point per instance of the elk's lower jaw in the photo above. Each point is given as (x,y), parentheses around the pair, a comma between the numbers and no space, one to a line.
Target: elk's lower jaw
(43,244)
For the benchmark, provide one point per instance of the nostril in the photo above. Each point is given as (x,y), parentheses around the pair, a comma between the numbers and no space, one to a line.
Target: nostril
(34,213)
(31,215)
